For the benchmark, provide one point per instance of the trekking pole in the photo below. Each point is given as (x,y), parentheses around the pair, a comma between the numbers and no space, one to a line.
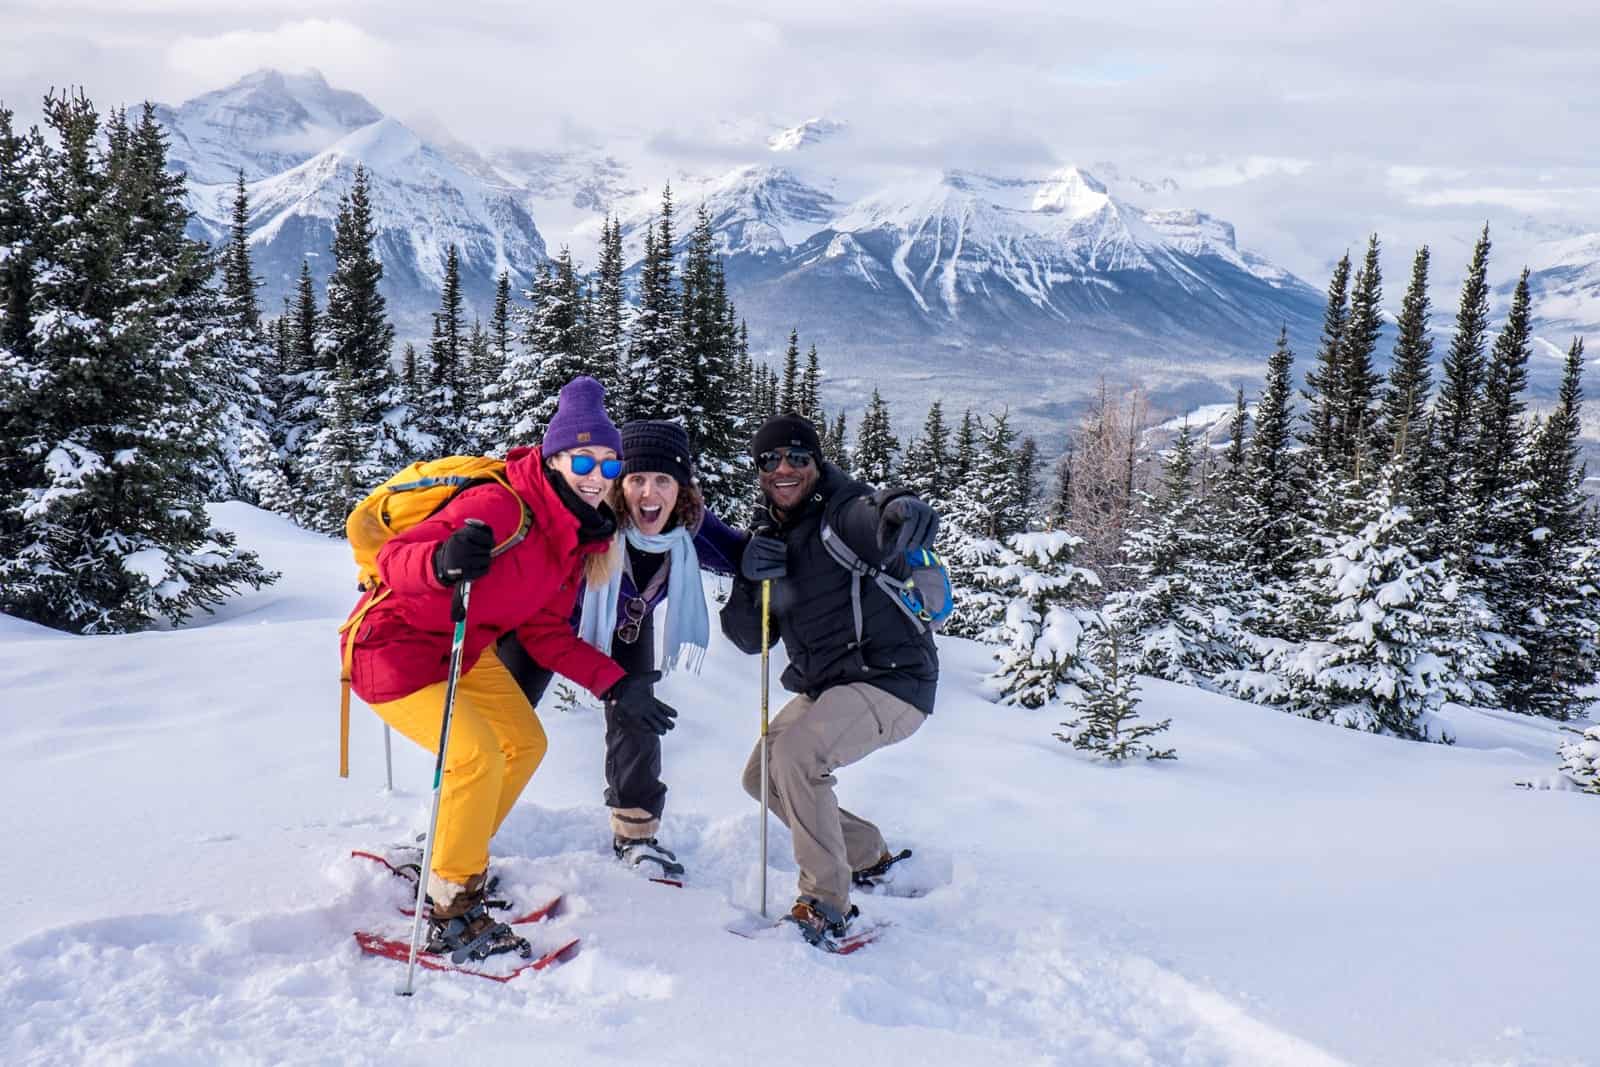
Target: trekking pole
(458,614)
(766,643)
(388,761)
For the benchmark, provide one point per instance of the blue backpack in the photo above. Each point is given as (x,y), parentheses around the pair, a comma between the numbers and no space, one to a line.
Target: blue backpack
(925,594)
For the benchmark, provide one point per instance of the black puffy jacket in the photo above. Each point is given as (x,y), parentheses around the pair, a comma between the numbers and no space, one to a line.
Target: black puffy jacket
(811,608)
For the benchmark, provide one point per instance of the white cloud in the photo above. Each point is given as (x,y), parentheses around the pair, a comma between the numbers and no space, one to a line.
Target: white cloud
(1307,125)
(340,49)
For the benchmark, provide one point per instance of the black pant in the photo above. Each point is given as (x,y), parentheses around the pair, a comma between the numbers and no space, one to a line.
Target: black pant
(633,757)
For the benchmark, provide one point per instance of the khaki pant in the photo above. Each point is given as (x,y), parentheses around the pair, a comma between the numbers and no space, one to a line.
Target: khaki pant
(808,741)
(496,743)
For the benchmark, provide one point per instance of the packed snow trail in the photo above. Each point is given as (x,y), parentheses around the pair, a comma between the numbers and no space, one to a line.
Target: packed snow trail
(1286,893)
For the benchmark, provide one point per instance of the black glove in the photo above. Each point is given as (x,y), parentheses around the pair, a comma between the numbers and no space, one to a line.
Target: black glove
(911,524)
(764,558)
(464,556)
(637,708)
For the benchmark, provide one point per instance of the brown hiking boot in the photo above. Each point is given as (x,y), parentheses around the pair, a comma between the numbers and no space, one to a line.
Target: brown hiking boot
(451,900)
(459,925)
(820,923)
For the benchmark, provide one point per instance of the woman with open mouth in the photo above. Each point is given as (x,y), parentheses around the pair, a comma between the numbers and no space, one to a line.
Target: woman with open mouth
(668,535)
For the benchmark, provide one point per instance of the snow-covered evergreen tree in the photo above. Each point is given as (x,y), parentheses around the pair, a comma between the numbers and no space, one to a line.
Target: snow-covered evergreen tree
(1043,614)
(1027,498)
(346,464)
(1558,665)
(1455,420)
(1382,660)
(127,348)
(239,281)
(835,444)
(811,387)
(1501,509)
(483,367)
(991,495)
(22,374)
(443,407)
(963,452)
(876,444)
(1580,759)
(356,322)
(356,438)
(517,408)
(714,418)
(246,373)
(1404,427)
(609,321)
(1324,377)
(656,387)
(1107,725)
(267,480)
(790,398)
(1356,417)
(925,470)
(1169,615)
(300,413)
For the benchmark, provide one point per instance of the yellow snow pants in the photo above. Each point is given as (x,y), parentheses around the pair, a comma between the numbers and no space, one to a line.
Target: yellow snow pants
(496,743)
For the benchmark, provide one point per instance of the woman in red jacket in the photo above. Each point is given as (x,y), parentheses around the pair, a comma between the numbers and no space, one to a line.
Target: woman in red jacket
(402,647)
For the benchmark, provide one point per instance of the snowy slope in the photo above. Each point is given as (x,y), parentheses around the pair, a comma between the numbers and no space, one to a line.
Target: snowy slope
(1287,893)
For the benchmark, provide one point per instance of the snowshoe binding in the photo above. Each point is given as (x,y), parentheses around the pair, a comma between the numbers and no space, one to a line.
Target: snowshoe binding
(875,875)
(463,928)
(637,851)
(821,926)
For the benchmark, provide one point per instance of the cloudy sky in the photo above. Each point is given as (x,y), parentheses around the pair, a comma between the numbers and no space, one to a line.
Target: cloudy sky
(1307,124)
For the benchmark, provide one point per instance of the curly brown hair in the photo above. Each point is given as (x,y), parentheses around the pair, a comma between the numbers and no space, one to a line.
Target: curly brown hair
(686,512)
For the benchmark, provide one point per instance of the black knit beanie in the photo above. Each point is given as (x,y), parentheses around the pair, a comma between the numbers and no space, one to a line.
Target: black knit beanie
(786,431)
(652,445)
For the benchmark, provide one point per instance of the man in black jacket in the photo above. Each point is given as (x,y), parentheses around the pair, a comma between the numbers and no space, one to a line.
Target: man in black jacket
(856,694)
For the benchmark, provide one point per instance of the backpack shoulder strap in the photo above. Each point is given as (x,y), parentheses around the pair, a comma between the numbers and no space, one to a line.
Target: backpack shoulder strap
(846,557)
(525,521)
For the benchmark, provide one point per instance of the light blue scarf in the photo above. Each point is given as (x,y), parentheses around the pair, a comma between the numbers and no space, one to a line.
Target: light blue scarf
(688,630)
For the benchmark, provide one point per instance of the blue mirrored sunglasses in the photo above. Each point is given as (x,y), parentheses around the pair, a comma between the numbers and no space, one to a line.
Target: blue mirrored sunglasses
(583,464)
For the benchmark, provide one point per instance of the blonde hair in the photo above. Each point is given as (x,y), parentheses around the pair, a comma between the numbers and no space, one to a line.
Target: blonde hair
(598,567)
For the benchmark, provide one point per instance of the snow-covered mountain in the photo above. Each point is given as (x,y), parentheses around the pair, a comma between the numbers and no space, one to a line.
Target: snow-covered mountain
(425,196)
(1019,290)
(1565,282)
(1006,289)
(264,123)
(809,132)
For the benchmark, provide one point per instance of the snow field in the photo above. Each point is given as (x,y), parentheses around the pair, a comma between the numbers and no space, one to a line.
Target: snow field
(1286,893)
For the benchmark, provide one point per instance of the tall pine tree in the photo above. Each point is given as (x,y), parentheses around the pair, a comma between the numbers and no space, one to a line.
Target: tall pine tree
(1456,418)
(449,396)
(1405,401)
(1323,379)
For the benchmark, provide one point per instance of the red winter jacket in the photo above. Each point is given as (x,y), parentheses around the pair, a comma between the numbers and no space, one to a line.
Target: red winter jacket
(403,644)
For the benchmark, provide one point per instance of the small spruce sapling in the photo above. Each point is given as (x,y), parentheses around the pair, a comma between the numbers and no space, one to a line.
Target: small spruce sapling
(1107,727)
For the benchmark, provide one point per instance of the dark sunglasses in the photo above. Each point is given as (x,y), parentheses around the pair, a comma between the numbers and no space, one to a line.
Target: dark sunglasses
(799,459)
(583,464)
(635,609)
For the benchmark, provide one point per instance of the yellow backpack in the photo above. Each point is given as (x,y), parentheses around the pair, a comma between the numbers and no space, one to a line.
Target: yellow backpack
(406,499)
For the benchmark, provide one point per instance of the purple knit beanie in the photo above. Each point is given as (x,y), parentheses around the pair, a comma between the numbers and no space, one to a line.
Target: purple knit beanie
(580,420)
